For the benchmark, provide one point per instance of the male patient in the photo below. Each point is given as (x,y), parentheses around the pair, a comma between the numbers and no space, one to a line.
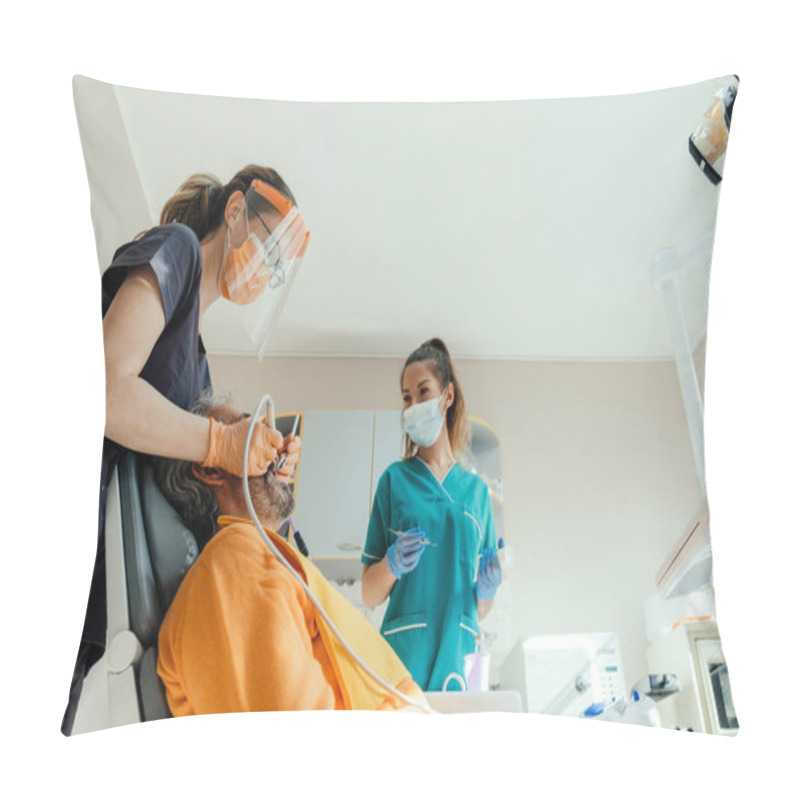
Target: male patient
(241,634)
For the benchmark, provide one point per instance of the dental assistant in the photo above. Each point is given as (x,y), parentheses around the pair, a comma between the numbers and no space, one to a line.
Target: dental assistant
(214,240)
(431,544)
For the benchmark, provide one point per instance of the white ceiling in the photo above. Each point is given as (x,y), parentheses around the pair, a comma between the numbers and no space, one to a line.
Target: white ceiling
(510,229)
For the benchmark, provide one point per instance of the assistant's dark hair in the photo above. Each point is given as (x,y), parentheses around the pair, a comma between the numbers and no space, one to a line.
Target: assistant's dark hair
(201,199)
(434,354)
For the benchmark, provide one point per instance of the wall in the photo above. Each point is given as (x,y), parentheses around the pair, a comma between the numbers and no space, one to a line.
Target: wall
(598,474)
(119,207)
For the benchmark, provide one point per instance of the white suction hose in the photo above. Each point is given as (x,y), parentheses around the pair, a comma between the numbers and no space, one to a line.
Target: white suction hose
(267,400)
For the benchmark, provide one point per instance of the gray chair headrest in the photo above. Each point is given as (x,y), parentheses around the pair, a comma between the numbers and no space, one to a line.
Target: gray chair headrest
(173,547)
(159,548)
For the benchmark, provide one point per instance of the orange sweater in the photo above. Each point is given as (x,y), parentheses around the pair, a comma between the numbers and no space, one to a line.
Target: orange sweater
(241,635)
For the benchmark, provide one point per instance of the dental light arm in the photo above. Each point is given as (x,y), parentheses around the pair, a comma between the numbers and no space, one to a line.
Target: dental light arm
(666,266)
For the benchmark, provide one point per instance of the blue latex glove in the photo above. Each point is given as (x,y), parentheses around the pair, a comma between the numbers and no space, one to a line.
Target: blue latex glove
(405,553)
(490,575)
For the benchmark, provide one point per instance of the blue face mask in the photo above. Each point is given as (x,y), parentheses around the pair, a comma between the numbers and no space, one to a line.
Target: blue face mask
(423,421)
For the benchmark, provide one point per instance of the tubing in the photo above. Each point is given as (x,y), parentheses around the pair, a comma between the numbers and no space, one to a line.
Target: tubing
(267,400)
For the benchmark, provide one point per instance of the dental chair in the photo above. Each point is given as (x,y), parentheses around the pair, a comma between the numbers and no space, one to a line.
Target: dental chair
(148,552)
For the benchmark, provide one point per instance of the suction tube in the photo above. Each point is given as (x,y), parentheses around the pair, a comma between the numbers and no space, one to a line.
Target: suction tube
(266,400)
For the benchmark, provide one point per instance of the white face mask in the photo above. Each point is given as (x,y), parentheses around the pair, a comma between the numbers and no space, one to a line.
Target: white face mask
(423,421)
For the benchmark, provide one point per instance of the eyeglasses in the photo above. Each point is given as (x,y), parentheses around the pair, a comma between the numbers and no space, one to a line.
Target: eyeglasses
(272,258)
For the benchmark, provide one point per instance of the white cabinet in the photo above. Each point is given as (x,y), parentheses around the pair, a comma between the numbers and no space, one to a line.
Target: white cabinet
(388,446)
(344,454)
(333,482)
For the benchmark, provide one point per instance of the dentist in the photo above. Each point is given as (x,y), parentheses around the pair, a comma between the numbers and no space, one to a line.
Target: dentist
(431,545)
(242,241)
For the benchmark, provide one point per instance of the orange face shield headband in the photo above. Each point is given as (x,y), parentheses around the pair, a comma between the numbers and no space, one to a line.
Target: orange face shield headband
(262,262)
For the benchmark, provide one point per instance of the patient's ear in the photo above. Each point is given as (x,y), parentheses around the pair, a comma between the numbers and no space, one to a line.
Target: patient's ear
(211,476)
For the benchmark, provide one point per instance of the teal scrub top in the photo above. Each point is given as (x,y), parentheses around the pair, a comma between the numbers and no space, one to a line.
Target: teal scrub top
(432,618)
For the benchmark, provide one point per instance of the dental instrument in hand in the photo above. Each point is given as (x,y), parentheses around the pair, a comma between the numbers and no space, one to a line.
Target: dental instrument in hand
(294,431)
(406,533)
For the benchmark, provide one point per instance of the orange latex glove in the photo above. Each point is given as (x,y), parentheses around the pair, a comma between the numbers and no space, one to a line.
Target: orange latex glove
(226,447)
(291,452)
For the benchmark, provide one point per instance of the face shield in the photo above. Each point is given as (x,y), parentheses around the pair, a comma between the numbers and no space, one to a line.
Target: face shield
(259,274)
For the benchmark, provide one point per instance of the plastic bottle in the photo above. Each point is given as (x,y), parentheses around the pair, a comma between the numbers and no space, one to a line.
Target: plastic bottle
(641,711)
(505,555)
(476,668)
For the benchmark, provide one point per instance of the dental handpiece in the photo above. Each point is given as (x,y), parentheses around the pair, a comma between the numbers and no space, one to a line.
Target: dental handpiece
(294,431)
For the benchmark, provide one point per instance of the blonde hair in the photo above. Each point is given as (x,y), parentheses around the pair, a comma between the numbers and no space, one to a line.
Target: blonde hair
(201,199)
(435,355)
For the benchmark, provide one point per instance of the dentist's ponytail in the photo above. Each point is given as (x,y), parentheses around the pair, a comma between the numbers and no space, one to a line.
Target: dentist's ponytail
(201,199)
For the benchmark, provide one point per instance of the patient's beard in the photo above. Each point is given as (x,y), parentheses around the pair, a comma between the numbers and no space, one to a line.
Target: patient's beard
(272,499)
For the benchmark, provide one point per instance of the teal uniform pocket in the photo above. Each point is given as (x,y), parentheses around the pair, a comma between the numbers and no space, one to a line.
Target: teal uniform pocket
(408,622)
(408,636)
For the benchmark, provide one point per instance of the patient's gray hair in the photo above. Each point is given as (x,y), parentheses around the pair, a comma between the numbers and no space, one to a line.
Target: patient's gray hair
(192,499)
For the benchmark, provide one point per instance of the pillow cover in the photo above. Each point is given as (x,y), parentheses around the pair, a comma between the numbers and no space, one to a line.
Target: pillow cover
(526,279)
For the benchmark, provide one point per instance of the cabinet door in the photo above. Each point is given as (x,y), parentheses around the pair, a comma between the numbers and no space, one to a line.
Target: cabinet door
(388,445)
(333,487)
